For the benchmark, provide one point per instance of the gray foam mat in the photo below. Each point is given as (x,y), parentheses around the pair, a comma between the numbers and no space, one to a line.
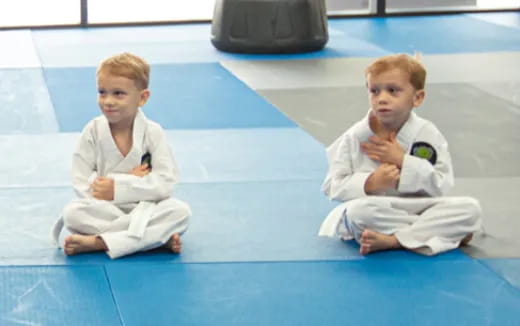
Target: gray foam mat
(482,130)
(498,198)
(509,269)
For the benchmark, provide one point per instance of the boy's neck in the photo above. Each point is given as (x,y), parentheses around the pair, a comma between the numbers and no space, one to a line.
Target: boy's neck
(123,137)
(122,129)
(381,130)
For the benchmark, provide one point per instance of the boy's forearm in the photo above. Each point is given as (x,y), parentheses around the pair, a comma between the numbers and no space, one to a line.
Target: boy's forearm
(348,187)
(419,175)
(152,187)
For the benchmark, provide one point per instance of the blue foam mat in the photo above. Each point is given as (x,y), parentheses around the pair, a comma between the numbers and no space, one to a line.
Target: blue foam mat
(86,47)
(390,292)
(451,34)
(235,155)
(56,296)
(244,221)
(185,96)
(25,104)
(260,221)
(169,44)
(509,269)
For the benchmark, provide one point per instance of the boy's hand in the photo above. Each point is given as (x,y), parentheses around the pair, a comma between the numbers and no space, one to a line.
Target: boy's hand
(103,188)
(140,170)
(385,177)
(375,124)
(383,150)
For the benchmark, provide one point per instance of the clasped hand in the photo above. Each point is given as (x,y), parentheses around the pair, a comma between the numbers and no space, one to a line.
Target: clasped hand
(386,176)
(389,153)
(103,187)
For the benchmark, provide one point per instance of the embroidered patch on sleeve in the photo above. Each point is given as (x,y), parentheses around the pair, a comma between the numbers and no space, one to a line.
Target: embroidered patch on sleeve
(424,150)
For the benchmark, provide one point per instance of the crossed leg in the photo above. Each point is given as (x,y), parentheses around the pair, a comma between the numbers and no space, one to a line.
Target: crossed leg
(79,243)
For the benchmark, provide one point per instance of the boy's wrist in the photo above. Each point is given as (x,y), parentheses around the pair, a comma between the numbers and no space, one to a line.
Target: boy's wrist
(369,184)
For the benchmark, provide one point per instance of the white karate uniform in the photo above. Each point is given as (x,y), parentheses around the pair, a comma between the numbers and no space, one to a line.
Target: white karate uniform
(416,212)
(143,215)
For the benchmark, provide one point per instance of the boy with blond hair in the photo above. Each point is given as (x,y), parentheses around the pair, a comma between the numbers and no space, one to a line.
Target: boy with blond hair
(123,172)
(392,169)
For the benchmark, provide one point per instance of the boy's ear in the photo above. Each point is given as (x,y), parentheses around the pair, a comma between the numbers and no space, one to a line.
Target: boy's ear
(418,98)
(145,94)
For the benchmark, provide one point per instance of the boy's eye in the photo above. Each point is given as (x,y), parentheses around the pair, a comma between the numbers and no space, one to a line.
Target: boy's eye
(119,93)
(393,90)
(101,92)
(374,91)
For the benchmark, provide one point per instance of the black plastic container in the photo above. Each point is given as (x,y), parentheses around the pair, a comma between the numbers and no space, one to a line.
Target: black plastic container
(269,26)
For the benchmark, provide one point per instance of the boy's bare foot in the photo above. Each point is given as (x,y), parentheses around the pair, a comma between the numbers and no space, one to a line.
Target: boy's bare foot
(466,239)
(372,241)
(78,243)
(174,243)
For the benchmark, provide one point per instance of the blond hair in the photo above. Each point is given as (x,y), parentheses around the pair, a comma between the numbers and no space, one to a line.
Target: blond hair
(404,62)
(129,66)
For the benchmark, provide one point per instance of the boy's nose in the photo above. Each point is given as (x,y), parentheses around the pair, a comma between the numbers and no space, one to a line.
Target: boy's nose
(383,97)
(108,101)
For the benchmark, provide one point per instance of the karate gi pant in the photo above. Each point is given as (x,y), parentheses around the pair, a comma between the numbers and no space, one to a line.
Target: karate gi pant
(111,223)
(425,225)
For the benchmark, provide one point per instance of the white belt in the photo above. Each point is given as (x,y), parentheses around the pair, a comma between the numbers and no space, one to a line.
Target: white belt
(139,218)
(330,225)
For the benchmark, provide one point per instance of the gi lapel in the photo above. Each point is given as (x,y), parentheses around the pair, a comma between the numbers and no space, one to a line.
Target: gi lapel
(114,161)
(409,130)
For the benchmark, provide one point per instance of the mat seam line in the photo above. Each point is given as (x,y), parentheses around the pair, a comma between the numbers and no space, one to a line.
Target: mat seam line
(113,296)
(496,273)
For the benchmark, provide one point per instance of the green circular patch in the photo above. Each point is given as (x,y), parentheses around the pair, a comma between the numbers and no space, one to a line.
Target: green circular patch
(425,151)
